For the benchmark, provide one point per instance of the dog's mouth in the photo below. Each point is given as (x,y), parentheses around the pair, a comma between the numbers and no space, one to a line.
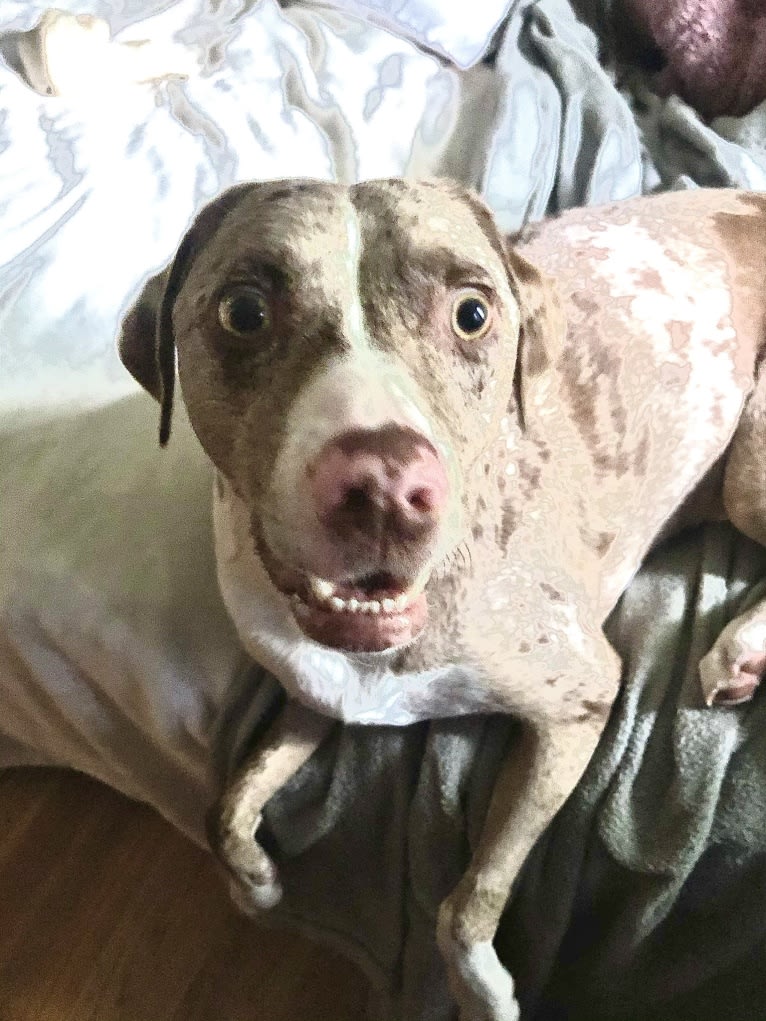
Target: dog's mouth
(373,613)
(369,614)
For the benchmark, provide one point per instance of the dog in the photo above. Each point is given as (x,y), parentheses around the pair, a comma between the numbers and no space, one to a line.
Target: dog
(441,454)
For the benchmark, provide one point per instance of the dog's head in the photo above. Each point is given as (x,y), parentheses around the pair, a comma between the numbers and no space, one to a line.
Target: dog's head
(346,356)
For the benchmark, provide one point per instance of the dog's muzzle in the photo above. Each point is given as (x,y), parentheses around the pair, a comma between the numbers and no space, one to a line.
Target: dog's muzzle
(378,497)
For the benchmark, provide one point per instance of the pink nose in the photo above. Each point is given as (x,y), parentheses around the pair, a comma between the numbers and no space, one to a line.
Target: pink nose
(381,482)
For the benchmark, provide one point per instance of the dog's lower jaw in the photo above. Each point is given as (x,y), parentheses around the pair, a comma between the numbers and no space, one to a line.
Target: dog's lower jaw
(375,613)
(355,631)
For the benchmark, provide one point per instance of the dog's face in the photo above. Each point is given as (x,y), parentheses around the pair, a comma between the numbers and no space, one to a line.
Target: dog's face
(346,356)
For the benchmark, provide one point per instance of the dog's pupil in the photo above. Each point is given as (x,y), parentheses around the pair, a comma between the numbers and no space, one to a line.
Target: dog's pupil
(246,313)
(471,315)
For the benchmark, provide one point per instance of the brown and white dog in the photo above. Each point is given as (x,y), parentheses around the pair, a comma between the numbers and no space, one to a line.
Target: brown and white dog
(438,469)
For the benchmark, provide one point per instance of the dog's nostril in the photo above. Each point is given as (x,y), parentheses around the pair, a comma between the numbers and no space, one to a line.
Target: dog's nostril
(421,500)
(356,499)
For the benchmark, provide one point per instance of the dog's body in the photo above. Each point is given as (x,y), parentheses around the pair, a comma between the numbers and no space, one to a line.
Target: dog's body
(431,491)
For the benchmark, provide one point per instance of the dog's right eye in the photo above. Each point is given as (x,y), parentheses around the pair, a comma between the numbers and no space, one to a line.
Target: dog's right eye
(243,311)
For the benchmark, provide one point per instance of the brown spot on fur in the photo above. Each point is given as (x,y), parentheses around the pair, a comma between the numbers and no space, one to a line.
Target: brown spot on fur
(543,640)
(552,593)
(525,647)
(530,474)
(589,384)
(543,450)
(680,334)
(477,532)
(641,456)
(604,541)
(651,280)
(585,302)
(617,463)
(596,708)
(400,662)
(528,233)
(508,524)
(754,199)
(742,242)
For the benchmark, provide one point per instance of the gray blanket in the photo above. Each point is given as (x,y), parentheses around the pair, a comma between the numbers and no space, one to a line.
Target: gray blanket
(645,898)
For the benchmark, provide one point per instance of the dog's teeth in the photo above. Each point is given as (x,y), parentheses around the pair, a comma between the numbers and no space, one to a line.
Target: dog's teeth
(324,591)
(321,588)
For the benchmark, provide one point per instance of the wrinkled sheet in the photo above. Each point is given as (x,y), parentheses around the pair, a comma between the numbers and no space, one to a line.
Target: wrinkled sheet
(645,897)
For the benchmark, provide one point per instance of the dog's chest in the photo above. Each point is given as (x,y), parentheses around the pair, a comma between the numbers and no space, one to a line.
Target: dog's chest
(355,688)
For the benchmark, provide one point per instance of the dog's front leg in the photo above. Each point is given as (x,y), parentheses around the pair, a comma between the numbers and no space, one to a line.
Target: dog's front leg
(233,821)
(542,769)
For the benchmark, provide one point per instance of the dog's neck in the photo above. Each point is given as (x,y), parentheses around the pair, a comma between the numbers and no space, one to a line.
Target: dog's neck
(477,600)
(399,687)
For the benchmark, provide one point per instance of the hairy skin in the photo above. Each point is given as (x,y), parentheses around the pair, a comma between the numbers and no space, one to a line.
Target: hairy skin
(498,490)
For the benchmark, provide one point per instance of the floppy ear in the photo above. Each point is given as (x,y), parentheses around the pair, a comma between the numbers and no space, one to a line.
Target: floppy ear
(541,331)
(147,343)
(137,342)
(542,324)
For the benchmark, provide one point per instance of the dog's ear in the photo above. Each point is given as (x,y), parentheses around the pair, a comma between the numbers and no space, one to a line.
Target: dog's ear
(147,343)
(137,342)
(542,325)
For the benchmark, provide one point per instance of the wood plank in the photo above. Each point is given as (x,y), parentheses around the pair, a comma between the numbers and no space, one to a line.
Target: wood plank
(108,914)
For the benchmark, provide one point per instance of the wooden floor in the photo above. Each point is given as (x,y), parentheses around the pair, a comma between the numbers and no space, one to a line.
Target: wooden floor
(107,914)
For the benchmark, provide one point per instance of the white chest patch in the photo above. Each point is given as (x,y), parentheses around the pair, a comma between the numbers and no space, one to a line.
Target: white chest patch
(355,688)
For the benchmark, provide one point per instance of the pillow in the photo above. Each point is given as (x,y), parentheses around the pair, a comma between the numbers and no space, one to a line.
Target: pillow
(98,184)
(461,32)
(116,656)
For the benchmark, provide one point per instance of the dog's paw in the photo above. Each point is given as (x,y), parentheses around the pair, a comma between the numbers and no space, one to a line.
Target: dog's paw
(254,898)
(481,985)
(253,877)
(735,666)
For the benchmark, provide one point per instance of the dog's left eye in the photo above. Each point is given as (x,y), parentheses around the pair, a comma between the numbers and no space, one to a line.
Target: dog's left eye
(243,311)
(470,315)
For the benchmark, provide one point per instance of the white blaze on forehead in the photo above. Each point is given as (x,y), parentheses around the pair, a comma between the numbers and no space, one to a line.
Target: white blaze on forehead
(355,331)
(361,390)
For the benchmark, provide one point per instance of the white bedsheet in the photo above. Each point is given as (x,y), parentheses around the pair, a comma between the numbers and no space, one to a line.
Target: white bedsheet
(115,654)
(116,657)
